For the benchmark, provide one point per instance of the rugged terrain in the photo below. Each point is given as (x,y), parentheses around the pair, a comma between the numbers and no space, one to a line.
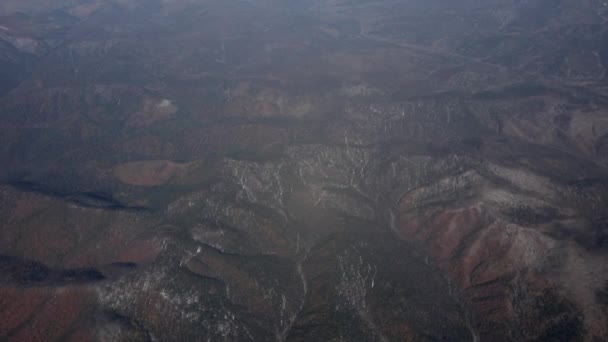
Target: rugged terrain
(223,170)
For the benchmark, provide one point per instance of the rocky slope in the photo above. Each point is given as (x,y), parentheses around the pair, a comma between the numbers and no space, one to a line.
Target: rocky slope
(310,170)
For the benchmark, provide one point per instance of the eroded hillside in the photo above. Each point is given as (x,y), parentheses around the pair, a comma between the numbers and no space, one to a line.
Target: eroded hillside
(310,170)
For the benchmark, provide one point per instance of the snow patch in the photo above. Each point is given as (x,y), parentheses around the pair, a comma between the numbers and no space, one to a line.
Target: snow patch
(164,103)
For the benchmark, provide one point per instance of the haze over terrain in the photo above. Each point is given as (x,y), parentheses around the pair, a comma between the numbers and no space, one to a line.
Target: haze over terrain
(312,170)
